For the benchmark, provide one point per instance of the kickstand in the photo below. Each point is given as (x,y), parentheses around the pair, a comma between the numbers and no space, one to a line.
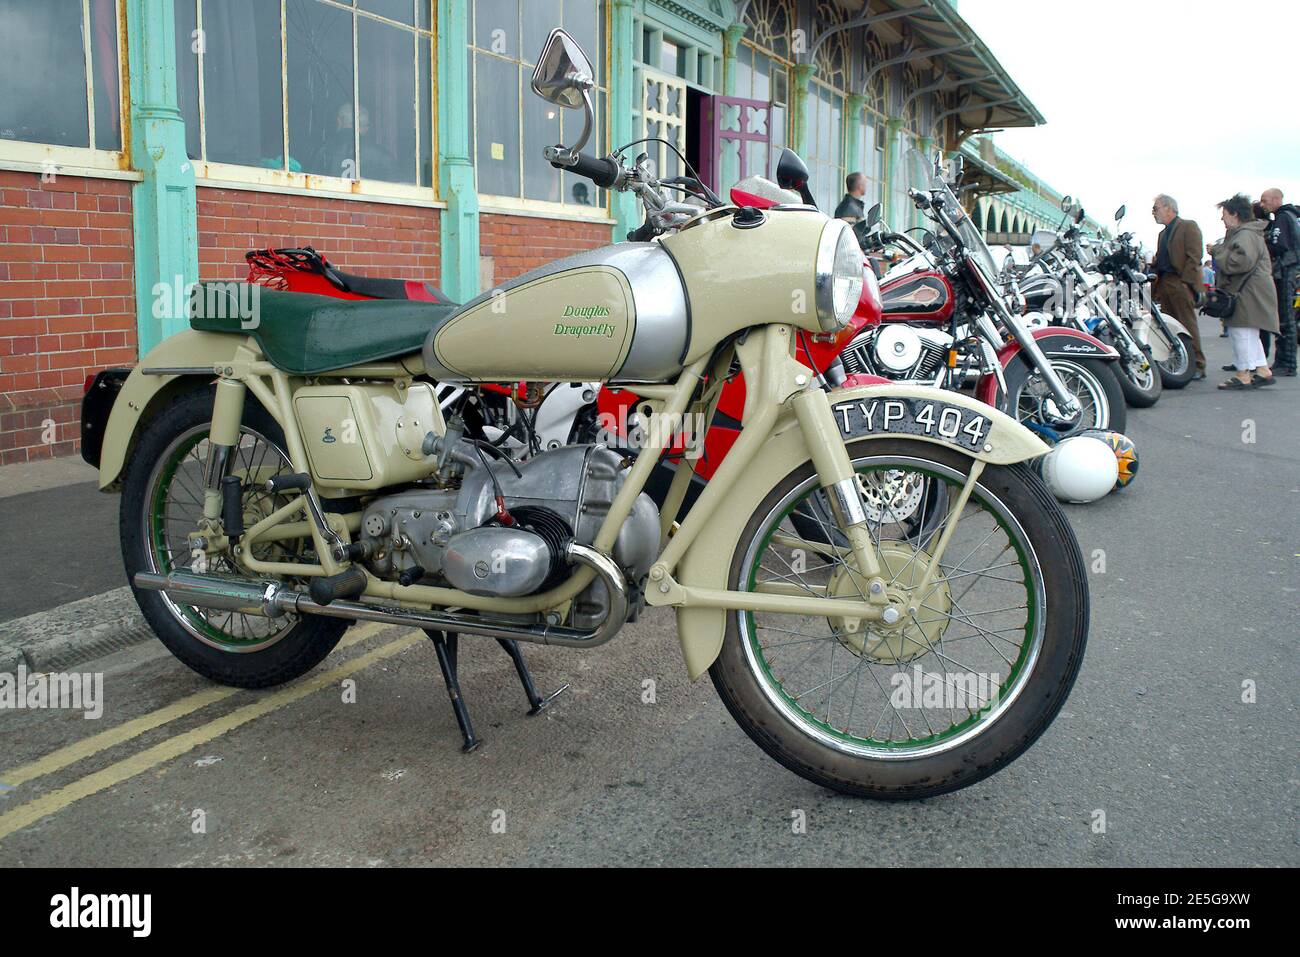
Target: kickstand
(537,704)
(446,645)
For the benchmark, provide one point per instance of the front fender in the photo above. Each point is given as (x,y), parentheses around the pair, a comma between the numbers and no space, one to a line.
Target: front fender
(708,561)
(1056,342)
(143,393)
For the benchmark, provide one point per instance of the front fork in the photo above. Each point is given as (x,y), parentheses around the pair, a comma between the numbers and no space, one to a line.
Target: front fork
(223,437)
(840,481)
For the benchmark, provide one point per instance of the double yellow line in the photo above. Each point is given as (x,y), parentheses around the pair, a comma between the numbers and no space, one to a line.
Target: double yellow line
(27,814)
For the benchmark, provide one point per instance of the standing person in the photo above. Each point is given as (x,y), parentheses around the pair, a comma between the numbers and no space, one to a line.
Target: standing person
(1178,271)
(1283,238)
(851,208)
(1243,268)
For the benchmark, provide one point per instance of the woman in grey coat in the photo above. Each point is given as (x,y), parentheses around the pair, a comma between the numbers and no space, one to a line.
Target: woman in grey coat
(1242,268)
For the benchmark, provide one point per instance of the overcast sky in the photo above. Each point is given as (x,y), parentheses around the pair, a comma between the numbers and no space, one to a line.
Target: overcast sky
(1184,97)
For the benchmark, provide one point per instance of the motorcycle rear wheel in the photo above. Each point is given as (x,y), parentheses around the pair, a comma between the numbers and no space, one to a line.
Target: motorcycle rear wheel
(162,495)
(1025,547)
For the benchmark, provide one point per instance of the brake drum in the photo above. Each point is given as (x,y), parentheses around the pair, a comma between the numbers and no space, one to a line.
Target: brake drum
(902,566)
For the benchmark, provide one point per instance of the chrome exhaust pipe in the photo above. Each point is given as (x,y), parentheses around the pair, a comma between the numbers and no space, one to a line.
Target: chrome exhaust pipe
(271,599)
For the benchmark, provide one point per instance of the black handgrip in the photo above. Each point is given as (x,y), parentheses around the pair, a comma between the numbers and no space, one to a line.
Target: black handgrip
(643,233)
(603,172)
(281,483)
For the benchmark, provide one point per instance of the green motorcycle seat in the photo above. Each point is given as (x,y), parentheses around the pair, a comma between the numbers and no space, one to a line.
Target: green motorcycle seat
(304,334)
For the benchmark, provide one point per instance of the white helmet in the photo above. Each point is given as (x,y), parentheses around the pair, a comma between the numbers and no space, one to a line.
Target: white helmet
(1079,469)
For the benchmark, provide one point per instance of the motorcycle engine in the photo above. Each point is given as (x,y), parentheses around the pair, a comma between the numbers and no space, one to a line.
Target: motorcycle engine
(897,351)
(451,535)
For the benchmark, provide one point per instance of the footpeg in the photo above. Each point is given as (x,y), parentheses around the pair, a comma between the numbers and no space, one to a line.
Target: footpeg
(349,583)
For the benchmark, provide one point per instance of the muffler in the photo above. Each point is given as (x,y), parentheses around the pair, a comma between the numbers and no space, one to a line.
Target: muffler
(270,599)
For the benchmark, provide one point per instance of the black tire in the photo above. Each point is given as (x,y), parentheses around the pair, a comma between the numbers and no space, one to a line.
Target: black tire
(1179,376)
(1140,390)
(1007,736)
(1101,374)
(295,652)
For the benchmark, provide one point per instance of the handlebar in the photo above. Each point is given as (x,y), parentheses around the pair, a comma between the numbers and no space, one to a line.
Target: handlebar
(604,172)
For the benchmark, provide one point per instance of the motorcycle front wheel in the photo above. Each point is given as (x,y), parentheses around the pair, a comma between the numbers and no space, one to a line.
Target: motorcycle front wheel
(1142,387)
(1101,398)
(1177,371)
(963,687)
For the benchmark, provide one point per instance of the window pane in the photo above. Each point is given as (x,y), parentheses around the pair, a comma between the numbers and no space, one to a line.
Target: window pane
(320,89)
(241,80)
(496,26)
(496,93)
(540,18)
(402,11)
(744,73)
(43,73)
(386,82)
(187,74)
(581,19)
(426,114)
(107,79)
(762,85)
(579,189)
(668,56)
(541,129)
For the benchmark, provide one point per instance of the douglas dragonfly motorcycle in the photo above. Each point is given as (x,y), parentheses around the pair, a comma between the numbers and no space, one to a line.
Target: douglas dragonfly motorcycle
(286,475)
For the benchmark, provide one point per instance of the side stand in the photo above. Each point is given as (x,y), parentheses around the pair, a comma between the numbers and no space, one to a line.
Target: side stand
(446,644)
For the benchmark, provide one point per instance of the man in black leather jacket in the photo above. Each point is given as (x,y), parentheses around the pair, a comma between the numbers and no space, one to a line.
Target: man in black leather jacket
(1283,238)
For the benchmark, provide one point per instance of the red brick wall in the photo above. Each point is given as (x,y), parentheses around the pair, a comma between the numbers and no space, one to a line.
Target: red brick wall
(67,303)
(520,243)
(365,237)
(67,294)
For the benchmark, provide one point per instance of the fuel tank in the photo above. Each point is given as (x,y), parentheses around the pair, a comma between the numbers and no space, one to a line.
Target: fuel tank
(925,296)
(615,313)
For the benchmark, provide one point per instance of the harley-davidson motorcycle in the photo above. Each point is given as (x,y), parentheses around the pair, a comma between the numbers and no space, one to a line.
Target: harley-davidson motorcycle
(1065,285)
(1165,339)
(952,319)
(286,470)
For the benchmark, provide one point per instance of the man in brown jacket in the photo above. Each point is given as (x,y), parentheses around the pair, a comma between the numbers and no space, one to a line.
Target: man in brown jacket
(1178,270)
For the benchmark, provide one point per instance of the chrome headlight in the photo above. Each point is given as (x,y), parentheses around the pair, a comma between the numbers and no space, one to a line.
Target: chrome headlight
(839,275)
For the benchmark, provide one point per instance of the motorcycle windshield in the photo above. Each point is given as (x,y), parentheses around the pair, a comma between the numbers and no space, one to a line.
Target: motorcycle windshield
(924,177)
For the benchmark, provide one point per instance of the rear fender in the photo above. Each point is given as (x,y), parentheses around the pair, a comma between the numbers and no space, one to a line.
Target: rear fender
(194,356)
(707,564)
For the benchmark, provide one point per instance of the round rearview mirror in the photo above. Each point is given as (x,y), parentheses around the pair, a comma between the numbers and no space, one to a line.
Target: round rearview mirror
(1067,203)
(1120,213)
(563,74)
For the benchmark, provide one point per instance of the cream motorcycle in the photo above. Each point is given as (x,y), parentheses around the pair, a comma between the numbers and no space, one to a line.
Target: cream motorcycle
(286,470)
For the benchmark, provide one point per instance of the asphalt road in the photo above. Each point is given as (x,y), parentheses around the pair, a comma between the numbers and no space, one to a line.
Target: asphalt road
(1198,595)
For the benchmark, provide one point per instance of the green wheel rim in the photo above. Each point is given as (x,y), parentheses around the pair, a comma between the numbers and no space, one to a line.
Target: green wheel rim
(226,631)
(843,734)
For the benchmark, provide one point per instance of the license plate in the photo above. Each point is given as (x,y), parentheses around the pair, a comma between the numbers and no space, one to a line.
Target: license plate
(952,424)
